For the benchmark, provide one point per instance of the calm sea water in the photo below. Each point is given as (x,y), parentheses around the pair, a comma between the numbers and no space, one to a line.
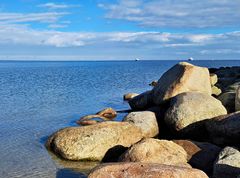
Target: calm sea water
(38,98)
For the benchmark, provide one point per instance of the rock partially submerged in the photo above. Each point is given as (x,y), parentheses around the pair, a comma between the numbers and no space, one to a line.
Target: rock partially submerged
(156,151)
(106,114)
(190,107)
(227,164)
(136,170)
(145,120)
(182,77)
(92,142)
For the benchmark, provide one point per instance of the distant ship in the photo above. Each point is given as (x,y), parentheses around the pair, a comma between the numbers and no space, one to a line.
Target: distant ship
(137,59)
(190,59)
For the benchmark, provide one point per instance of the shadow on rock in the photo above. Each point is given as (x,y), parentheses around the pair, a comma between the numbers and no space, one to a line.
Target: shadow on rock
(114,153)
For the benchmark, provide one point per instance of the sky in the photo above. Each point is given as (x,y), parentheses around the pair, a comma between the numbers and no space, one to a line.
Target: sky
(119,29)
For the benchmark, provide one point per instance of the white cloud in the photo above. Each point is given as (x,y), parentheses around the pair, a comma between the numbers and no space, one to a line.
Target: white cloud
(120,45)
(46,17)
(175,13)
(55,6)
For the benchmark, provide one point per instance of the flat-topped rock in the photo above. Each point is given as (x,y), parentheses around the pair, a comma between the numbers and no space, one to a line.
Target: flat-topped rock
(182,77)
(94,141)
(190,107)
(137,170)
(156,151)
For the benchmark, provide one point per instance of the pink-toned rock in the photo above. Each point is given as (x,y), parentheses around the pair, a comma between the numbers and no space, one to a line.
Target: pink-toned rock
(144,170)
(155,151)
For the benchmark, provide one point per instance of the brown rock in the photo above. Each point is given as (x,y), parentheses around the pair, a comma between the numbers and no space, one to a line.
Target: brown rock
(94,141)
(183,77)
(237,100)
(200,155)
(155,151)
(144,170)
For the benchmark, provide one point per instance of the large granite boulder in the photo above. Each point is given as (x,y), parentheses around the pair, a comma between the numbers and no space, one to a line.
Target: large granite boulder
(145,120)
(137,170)
(227,164)
(142,101)
(225,129)
(156,151)
(237,100)
(200,155)
(94,141)
(182,77)
(190,107)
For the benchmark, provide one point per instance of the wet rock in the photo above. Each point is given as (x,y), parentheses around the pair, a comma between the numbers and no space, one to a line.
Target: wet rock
(137,170)
(228,163)
(200,155)
(142,101)
(225,129)
(106,114)
(155,151)
(92,142)
(145,120)
(183,77)
(190,107)
(129,96)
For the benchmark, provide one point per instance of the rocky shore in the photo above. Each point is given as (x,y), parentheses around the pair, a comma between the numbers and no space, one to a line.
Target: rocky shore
(188,125)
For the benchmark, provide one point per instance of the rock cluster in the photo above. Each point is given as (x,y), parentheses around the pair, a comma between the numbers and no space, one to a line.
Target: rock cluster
(187,125)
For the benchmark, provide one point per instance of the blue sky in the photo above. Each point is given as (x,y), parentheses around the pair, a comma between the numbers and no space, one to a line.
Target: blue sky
(119,29)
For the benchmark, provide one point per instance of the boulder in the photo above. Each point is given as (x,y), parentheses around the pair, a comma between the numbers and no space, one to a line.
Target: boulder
(200,155)
(227,100)
(225,129)
(129,96)
(137,170)
(155,151)
(237,100)
(145,120)
(142,101)
(213,79)
(94,141)
(182,77)
(190,107)
(216,91)
(227,164)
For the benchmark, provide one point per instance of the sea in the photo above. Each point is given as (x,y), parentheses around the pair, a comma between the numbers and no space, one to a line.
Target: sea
(39,98)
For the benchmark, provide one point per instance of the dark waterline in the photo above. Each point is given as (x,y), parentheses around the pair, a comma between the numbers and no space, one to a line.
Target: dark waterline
(38,98)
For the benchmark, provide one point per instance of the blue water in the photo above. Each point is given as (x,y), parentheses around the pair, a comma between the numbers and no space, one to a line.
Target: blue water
(38,98)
